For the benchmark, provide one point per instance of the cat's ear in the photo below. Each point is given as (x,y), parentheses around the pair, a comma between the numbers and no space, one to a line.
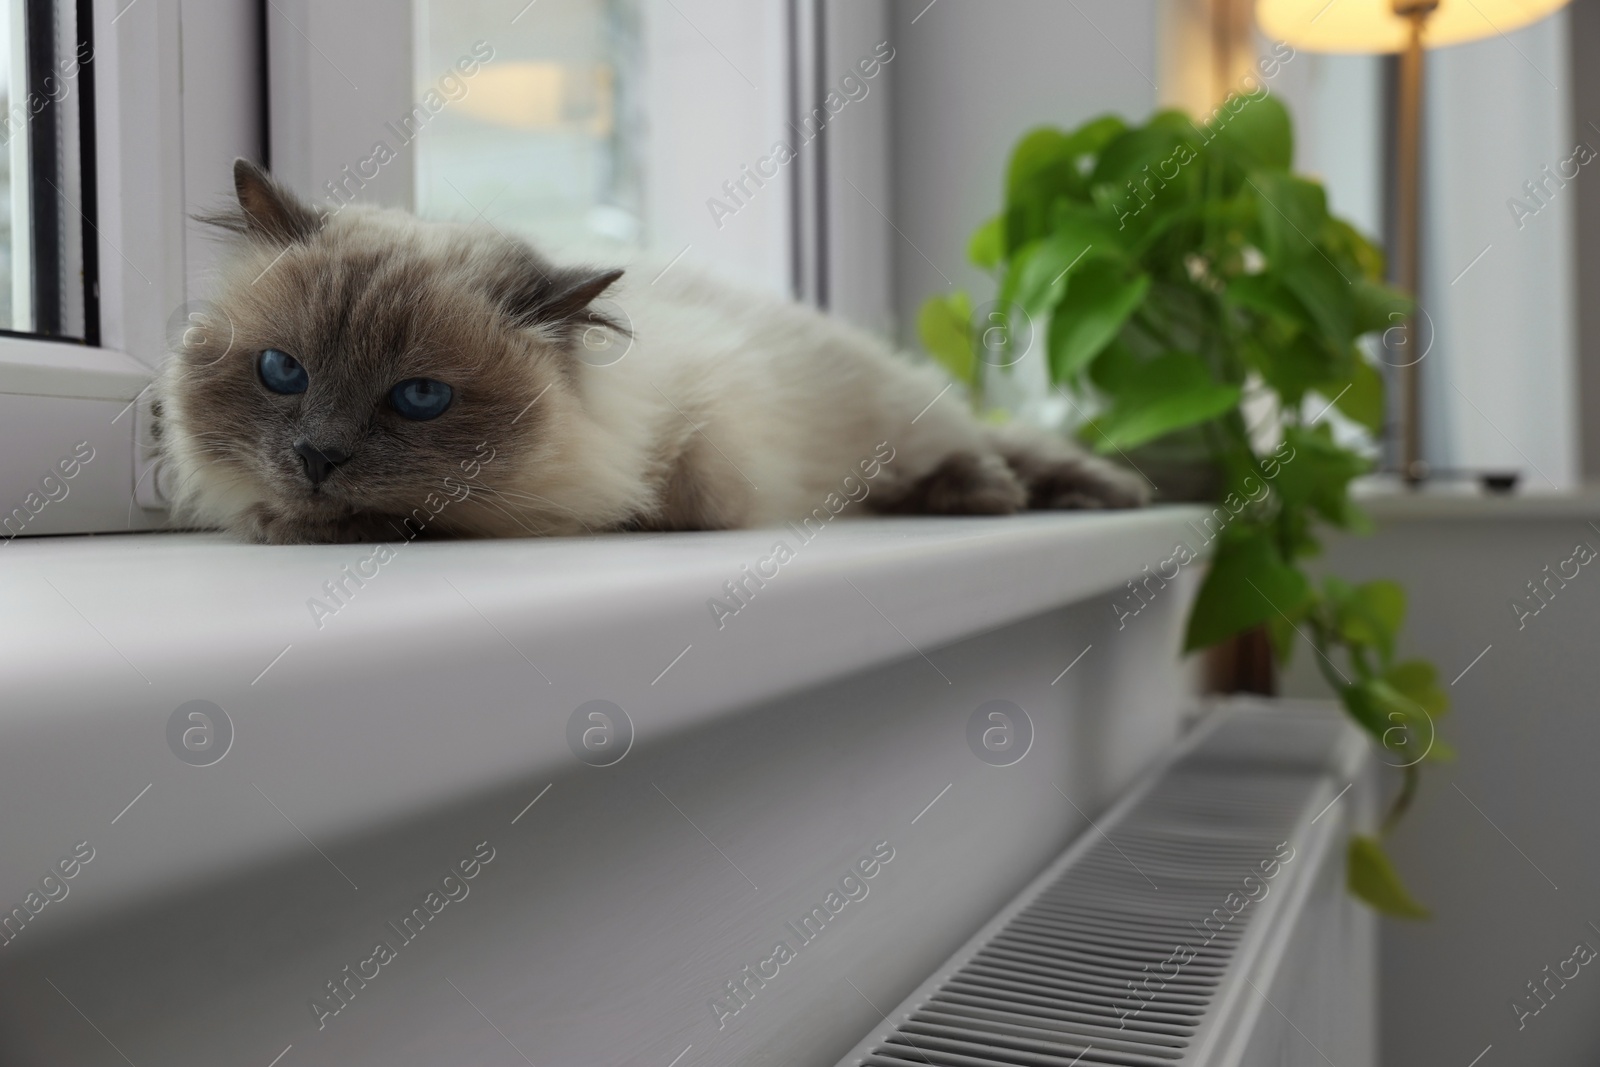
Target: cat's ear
(267,210)
(559,299)
(571,292)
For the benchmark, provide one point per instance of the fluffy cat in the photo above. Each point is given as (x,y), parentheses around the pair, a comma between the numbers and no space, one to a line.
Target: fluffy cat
(368,376)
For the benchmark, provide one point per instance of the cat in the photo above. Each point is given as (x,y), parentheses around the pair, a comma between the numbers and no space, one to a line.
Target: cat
(368,375)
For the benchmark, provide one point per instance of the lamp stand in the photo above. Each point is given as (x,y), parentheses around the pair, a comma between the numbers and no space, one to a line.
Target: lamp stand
(1408,235)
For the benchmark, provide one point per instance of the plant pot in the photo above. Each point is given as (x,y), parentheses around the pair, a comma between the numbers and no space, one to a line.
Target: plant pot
(1242,664)
(1182,472)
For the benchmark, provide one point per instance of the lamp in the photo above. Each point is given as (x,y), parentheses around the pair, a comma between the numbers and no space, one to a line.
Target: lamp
(1407,27)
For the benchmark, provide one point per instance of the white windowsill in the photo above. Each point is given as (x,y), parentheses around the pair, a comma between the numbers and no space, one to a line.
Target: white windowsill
(384,711)
(171,602)
(30,367)
(1388,501)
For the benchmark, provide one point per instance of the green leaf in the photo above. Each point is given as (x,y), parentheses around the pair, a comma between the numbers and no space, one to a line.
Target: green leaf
(1401,709)
(1248,583)
(1371,615)
(1354,519)
(1372,877)
(1046,156)
(945,324)
(1257,132)
(1091,138)
(1417,681)
(1043,270)
(1317,474)
(1402,722)
(1293,366)
(1378,307)
(1291,212)
(1347,244)
(1041,169)
(1147,179)
(1036,154)
(987,246)
(1167,393)
(1116,370)
(1371,702)
(1396,722)
(1126,157)
(1266,294)
(1326,296)
(1361,397)
(1046,167)
(1099,300)
(1298,540)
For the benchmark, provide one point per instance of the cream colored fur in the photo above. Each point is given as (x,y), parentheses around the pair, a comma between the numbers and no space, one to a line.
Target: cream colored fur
(727,409)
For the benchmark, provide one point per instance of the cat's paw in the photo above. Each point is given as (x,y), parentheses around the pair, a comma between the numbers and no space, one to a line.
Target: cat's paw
(1079,482)
(266,526)
(965,483)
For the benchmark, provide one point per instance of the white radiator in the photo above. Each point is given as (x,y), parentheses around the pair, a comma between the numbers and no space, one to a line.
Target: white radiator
(1202,922)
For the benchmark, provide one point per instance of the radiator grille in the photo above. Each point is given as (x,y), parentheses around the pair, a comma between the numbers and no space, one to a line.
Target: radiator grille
(1081,971)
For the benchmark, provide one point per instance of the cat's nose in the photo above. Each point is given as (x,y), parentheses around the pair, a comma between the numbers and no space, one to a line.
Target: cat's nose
(319,462)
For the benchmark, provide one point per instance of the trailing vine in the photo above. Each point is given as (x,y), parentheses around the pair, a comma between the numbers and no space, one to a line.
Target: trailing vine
(1198,305)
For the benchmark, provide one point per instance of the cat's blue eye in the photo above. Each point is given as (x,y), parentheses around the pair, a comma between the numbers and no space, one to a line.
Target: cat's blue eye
(281,372)
(421,398)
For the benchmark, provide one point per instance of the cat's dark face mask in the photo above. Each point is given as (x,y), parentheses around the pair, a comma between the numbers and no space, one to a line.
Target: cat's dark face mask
(369,380)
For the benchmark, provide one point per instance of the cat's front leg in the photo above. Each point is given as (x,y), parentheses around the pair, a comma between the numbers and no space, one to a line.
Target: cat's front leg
(267,526)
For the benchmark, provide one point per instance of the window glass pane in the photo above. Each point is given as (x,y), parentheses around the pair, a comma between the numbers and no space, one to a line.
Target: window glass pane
(15,293)
(542,136)
(46,267)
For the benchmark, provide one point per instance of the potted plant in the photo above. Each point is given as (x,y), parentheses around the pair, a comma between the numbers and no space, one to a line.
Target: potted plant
(1203,312)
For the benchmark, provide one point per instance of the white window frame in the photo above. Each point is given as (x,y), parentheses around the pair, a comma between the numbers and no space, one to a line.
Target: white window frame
(175,101)
(722,79)
(322,122)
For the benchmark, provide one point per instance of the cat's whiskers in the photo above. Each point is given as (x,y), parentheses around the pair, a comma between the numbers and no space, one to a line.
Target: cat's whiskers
(487,499)
(514,496)
(514,518)
(183,483)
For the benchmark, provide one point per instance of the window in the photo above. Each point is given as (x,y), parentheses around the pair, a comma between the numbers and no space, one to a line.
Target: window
(119,119)
(46,268)
(14,160)
(546,135)
(596,121)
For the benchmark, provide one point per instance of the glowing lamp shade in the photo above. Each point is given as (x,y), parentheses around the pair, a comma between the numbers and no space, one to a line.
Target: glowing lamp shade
(1368,26)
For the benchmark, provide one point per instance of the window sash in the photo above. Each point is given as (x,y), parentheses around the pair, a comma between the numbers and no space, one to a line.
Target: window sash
(711,116)
(176,97)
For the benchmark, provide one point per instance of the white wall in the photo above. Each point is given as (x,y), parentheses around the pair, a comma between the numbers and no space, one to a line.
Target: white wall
(1522,723)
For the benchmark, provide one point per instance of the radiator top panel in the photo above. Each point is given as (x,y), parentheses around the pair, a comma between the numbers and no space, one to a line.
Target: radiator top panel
(1121,955)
